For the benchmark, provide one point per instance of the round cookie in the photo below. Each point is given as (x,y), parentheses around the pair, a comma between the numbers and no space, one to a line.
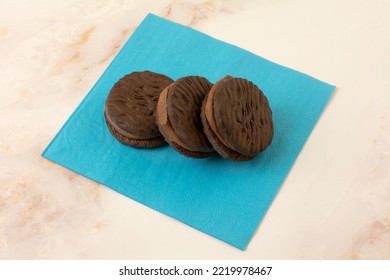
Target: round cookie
(237,119)
(178,116)
(130,108)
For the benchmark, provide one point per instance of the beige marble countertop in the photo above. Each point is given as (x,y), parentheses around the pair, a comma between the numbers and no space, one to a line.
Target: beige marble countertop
(334,204)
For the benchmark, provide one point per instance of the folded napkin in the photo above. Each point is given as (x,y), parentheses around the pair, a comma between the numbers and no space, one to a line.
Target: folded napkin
(222,198)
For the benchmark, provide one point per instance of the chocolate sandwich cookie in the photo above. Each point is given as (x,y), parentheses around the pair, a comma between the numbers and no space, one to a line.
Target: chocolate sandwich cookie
(237,119)
(178,116)
(130,108)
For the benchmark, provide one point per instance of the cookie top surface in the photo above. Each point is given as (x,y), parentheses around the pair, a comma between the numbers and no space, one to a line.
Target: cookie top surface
(242,116)
(132,102)
(184,104)
(219,146)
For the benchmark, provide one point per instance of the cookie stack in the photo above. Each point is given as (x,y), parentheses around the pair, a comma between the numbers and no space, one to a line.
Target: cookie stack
(198,119)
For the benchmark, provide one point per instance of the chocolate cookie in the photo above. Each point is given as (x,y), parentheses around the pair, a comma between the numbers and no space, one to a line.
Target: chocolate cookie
(237,119)
(178,116)
(130,108)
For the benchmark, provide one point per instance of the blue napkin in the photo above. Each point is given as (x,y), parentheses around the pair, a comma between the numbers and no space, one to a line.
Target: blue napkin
(222,198)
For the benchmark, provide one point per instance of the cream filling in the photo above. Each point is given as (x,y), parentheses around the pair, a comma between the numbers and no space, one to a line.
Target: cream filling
(209,111)
(121,131)
(163,120)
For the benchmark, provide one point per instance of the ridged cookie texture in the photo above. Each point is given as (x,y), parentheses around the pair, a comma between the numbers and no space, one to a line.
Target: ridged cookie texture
(184,104)
(224,151)
(178,116)
(240,126)
(130,108)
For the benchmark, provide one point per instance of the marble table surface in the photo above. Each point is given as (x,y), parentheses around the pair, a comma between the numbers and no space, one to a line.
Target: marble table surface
(334,204)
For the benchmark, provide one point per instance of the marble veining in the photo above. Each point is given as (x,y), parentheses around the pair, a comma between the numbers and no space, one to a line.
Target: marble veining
(372,238)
